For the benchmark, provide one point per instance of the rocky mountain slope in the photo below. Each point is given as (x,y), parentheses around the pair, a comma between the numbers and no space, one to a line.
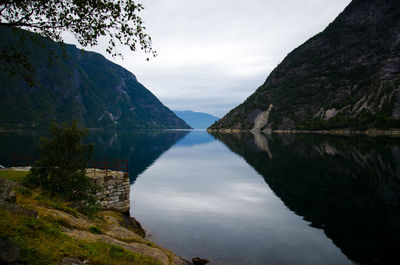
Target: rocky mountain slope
(347,76)
(80,85)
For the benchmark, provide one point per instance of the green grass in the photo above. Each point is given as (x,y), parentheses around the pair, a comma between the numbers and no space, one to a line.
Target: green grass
(42,242)
(56,203)
(18,176)
(23,191)
(41,239)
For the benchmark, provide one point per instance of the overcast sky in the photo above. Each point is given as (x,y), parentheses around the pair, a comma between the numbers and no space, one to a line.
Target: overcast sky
(213,54)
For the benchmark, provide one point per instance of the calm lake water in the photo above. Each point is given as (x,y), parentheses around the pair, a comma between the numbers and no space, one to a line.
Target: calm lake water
(255,198)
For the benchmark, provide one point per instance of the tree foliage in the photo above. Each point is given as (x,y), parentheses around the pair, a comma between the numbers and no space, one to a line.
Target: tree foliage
(88,20)
(63,162)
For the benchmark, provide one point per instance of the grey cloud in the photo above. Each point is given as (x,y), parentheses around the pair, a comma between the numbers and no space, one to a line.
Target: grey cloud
(214,54)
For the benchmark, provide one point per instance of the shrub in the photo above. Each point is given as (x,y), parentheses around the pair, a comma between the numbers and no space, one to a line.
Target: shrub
(23,191)
(62,164)
(95,230)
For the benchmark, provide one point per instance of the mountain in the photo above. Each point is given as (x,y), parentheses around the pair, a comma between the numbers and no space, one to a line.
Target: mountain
(80,85)
(196,120)
(347,76)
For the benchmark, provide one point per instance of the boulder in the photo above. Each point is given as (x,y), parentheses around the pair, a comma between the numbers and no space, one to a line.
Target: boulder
(7,195)
(10,252)
(199,261)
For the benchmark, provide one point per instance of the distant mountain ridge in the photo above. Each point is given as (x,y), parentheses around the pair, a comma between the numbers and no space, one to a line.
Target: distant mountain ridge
(347,76)
(196,120)
(83,86)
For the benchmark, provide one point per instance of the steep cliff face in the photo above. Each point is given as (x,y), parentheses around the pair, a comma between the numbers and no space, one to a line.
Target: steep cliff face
(81,85)
(348,76)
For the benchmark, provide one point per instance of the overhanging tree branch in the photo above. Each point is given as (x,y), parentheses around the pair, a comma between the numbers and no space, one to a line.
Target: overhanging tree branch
(86,19)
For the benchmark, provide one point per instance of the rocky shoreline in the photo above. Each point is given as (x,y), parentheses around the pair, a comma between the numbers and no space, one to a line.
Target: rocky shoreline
(343,132)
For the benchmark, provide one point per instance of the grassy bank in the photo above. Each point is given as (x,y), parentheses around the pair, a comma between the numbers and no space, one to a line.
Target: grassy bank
(49,229)
(13,175)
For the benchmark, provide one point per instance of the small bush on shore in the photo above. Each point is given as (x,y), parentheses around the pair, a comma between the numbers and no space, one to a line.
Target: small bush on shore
(63,161)
(95,230)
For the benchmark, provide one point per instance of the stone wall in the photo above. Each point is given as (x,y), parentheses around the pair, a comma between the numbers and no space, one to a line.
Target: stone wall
(115,185)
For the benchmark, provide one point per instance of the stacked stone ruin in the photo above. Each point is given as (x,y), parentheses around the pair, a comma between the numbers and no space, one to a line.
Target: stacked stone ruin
(114,188)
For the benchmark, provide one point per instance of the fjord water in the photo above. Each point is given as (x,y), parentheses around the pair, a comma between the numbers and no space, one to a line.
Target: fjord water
(260,199)
(256,198)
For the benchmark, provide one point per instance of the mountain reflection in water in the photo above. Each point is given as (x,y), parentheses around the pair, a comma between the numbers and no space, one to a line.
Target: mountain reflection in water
(347,186)
(140,147)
